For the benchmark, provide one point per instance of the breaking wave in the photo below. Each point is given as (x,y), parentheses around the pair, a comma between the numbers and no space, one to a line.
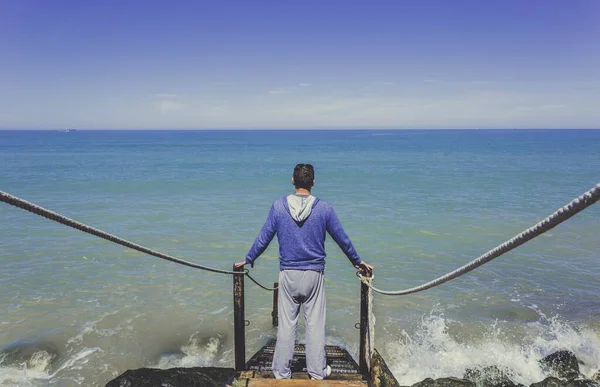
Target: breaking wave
(435,346)
(442,348)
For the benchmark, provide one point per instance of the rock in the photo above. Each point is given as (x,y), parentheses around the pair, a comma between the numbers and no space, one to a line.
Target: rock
(562,364)
(550,381)
(174,377)
(581,383)
(444,382)
(381,376)
(596,377)
(491,376)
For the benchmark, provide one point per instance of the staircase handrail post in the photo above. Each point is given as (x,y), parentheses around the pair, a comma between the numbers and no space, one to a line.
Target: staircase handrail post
(239,324)
(364,353)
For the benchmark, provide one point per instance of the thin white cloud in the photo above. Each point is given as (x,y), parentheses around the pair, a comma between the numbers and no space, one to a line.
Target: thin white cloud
(165,95)
(543,108)
(383,83)
(279,91)
(474,83)
(466,108)
(445,105)
(304,84)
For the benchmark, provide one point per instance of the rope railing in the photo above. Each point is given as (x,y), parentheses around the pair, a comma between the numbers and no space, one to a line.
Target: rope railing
(257,283)
(51,215)
(572,208)
(575,206)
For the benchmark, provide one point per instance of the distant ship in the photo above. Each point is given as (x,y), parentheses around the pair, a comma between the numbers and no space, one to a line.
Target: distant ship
(69,130)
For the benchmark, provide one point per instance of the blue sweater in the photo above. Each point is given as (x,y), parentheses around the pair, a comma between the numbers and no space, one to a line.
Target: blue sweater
(302,244)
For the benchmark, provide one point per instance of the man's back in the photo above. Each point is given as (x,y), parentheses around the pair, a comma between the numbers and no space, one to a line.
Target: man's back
(302,236)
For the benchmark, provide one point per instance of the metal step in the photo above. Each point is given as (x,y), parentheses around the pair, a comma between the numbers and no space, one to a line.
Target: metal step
(300,383)
(338,359)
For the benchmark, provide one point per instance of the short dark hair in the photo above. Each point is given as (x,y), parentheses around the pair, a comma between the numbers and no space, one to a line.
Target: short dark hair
(304,176)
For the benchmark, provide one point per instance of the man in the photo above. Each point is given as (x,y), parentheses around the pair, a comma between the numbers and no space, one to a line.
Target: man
(300,222)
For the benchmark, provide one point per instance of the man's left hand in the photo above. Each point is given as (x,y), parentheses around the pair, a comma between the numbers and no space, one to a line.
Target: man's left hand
(239,264)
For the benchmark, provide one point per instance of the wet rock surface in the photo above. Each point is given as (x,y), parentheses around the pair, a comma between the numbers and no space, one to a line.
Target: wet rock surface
(175,377)
(491,376)
(445,382)
(381,376)
(562,365)
(550,381)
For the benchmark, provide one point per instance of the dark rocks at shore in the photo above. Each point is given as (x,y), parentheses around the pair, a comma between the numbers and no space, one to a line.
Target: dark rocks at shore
(491,376)
(550,381)
(174,377)
(445,382)
(381,376)
(562,364)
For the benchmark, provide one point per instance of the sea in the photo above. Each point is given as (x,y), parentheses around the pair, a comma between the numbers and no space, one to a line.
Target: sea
(76,310)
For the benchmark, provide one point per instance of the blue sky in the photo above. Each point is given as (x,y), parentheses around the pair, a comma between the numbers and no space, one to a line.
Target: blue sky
(299,64)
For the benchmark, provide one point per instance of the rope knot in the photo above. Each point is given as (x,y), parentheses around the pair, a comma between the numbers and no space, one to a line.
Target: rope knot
(365,280)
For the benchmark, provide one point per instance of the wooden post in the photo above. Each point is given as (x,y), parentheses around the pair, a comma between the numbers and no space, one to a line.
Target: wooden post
(239,324)
(275,312)
(364,357)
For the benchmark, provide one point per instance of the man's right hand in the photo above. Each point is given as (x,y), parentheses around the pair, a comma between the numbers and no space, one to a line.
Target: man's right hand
(364,268)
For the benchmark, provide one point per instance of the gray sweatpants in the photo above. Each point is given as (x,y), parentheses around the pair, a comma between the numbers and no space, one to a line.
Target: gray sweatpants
(300,287)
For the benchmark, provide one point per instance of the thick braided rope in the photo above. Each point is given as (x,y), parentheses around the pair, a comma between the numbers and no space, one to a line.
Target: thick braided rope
(34,208)
(564,213)
(371,325)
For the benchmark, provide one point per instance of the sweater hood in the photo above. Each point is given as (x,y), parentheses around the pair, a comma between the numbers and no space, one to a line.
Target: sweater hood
(300,206)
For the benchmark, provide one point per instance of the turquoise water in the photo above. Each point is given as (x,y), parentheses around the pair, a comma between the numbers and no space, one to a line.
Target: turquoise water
(78,310)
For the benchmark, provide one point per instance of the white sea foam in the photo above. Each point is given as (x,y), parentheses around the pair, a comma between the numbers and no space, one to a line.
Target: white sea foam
(37,370)
(27,372)
(197,352)
(431,351)
(91,327)
(78,360)
(558,335)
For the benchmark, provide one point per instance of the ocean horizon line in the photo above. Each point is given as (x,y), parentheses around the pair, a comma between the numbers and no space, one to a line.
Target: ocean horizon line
(284,129)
